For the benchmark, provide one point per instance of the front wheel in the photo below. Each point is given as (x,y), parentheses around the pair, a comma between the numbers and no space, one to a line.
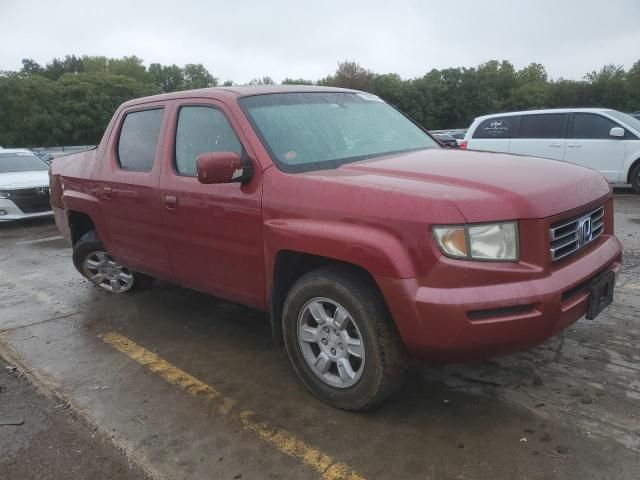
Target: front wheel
(93,261)
(341,340)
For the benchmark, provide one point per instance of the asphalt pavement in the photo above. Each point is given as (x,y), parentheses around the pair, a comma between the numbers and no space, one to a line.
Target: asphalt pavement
(170,383)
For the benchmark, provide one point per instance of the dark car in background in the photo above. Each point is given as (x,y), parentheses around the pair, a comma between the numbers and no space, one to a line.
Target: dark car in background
(445,140)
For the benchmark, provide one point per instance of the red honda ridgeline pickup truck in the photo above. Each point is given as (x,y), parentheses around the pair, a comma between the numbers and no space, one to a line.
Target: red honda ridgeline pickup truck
(367,242)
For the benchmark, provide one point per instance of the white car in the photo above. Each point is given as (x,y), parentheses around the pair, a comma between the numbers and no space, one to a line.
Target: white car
(24,185)
(598,138)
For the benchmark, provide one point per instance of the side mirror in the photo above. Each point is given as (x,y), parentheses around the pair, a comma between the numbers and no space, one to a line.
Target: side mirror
(616,132)
(222,167)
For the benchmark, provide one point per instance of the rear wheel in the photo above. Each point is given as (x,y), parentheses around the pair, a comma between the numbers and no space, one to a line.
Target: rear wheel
(635,178)
(93,261)
(341,340)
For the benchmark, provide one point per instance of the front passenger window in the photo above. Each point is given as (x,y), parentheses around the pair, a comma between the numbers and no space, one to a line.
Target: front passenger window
(588,125)
(201,130)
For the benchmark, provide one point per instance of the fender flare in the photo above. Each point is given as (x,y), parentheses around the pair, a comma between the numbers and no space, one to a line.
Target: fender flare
(81,202)
(377,251)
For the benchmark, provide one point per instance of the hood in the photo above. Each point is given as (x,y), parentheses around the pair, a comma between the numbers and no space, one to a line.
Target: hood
(483,186)
(37,178)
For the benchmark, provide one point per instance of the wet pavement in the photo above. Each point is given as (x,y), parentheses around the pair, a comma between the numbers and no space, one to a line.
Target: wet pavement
(191,387)
(42,438)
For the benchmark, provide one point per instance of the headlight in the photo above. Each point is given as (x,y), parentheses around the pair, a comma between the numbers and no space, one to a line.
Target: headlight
(4,194)
(486,241)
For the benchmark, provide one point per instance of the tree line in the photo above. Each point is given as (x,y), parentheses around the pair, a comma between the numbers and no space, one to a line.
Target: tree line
(70,100)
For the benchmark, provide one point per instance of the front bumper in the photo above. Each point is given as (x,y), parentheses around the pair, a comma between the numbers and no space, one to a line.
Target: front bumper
(9,211)
(467,323)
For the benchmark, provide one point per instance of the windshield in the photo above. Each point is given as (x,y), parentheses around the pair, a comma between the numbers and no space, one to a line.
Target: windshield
(320,130)
(21,162)
(626,118)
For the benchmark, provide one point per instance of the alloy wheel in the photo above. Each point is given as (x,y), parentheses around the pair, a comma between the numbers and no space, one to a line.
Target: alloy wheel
(331,342)
(101,269)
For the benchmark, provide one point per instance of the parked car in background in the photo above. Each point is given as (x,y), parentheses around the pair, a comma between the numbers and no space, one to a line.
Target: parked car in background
(605,140)
(367,242)
(458,134)
(445,140)
(24,185)
(46,156)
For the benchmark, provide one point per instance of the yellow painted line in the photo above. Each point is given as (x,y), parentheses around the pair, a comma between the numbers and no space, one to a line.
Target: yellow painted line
(286,442)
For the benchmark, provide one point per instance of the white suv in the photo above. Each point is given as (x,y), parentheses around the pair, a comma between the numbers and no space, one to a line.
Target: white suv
(602,139)
(24,185)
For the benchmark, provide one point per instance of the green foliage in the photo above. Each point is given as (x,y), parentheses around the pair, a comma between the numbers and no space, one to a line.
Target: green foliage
(262,81)
(196,76)
(70,100)
(296,81)
(453,97)
(74,109)
(350,75)
(168,78)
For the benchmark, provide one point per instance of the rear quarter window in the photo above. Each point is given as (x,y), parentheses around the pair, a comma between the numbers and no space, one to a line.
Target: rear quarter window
(138,140)
(498,127)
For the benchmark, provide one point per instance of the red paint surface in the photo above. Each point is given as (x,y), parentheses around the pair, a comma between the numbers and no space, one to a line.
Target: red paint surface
(223,239)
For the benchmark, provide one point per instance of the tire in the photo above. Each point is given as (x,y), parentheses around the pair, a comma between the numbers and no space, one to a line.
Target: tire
(89,250)
(635,178)
(383,363)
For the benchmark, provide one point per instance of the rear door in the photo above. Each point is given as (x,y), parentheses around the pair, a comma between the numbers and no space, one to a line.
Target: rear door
(541,135)
(214,232)
(589,144)
(128,191)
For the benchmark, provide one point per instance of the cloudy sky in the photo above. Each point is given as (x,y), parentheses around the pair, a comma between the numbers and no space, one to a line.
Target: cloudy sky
(244,39)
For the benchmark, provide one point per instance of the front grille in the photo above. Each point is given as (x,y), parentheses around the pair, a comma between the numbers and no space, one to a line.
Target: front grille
(31,200)
(568,237)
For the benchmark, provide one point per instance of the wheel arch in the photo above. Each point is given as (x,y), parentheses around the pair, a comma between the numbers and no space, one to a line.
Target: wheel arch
(289,266)
(79,224)
(633,166)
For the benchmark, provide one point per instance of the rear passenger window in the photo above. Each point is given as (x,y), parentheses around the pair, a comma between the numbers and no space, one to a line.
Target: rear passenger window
(202,130)
(138,140)
(546,125)
(498,127)
(588,125)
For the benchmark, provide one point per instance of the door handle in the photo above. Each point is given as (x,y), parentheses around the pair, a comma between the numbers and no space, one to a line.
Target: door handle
(574,145)
(555,145)
(106,192)
(171,202)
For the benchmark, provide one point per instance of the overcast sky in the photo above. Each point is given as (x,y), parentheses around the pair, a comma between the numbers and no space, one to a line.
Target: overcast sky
(244,39)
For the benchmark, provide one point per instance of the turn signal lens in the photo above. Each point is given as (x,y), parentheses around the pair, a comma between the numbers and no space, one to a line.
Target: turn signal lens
(452,241)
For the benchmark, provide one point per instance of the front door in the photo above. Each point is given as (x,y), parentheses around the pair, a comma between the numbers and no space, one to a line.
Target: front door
(214,232)
(590,144)
(128,191)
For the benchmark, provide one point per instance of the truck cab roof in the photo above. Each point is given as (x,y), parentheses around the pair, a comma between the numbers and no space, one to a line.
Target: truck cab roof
(239,91)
